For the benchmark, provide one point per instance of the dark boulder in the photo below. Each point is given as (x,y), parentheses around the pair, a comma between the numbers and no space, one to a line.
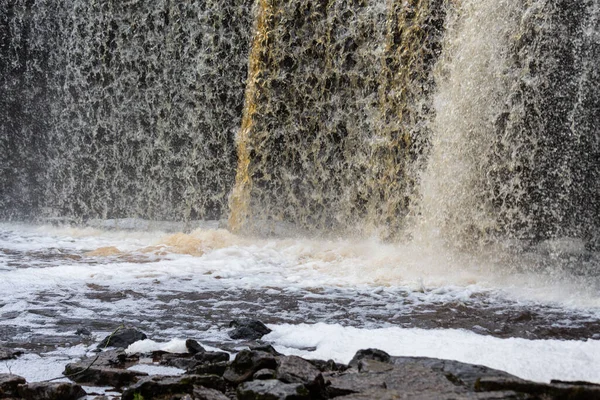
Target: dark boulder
(247,363)
(217,368)
(457,372)
(83,332)
(369,354)
(563,390)
(267,348)
(385,394)
(122,338)
(293,369)
(248,329)
(105,369)
(328,366)
(377,375)
(8,354)
(211,357)
(51,391)
(182,361)
(264,374)
(154,386)
(9,384)
(194,347)
(203,393)
(272,390)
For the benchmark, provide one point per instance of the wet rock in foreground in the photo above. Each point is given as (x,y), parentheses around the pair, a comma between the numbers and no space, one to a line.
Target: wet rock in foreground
(51,391)
(264,374)
(159,386)
(248,329)
(105,369)
(122,338)
(272,389)
(9,384)
(9,354)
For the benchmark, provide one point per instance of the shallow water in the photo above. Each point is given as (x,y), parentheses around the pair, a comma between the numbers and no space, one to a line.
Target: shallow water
(55,280)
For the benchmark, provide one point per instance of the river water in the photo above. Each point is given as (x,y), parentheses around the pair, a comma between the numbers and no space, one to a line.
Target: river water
(324,298)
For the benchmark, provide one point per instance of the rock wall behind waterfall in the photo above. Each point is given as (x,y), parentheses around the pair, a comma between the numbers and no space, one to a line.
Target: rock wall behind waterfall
(24,106)
(137,107)
(339,113)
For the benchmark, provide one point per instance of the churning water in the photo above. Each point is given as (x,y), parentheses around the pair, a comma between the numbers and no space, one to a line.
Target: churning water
(418,164)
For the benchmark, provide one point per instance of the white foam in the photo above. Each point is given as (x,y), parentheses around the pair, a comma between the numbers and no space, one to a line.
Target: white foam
(35,368)
(232,261)
(148,346)
(537,360)
(157,369)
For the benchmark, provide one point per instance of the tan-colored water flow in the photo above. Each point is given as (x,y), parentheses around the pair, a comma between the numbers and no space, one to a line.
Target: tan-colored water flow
(336,111)
(239,200)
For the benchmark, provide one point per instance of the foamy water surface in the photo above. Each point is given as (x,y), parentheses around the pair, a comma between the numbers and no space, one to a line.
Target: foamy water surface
(175,285)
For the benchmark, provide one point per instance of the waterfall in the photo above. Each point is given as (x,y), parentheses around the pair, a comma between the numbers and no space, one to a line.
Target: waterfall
(468,121)
(135,104)
(473,80)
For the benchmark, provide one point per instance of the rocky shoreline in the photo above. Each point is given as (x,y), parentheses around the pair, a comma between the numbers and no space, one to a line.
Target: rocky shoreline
(262,373)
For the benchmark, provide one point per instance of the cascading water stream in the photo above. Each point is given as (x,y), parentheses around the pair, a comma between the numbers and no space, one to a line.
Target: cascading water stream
(472,122)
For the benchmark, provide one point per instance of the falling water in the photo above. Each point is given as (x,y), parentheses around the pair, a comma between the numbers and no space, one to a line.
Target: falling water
(468,121)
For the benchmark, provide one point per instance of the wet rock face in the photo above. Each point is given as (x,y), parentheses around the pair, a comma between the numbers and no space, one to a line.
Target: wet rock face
(9,354)
(248,329)
(272,390)
(374,374)
(51,391)
(369,354)
(120,109)
(248,362)
(9,384)
(105,369)
(122,338)
(159,386)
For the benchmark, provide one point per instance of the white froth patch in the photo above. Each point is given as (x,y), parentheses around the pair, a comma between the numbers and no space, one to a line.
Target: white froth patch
(219,259)
(148,346)
(176,346)
(537,360)
(157,369)
(34,368)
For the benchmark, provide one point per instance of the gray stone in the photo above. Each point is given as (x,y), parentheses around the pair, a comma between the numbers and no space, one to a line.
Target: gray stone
(122,338)
(264,374)
(8,354)
(217,368)
(152,386)
(248,329)
(385,394)
(246,363)
(167,385)
(105,369)
(272,390)
(574,391)
(212,357)
(203,393)
(369,354)
(51,391)
(328,366)
(293,369)
(413,378)
(194,347)
(182,361)
(9,384)
(267,348)
(457,372)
